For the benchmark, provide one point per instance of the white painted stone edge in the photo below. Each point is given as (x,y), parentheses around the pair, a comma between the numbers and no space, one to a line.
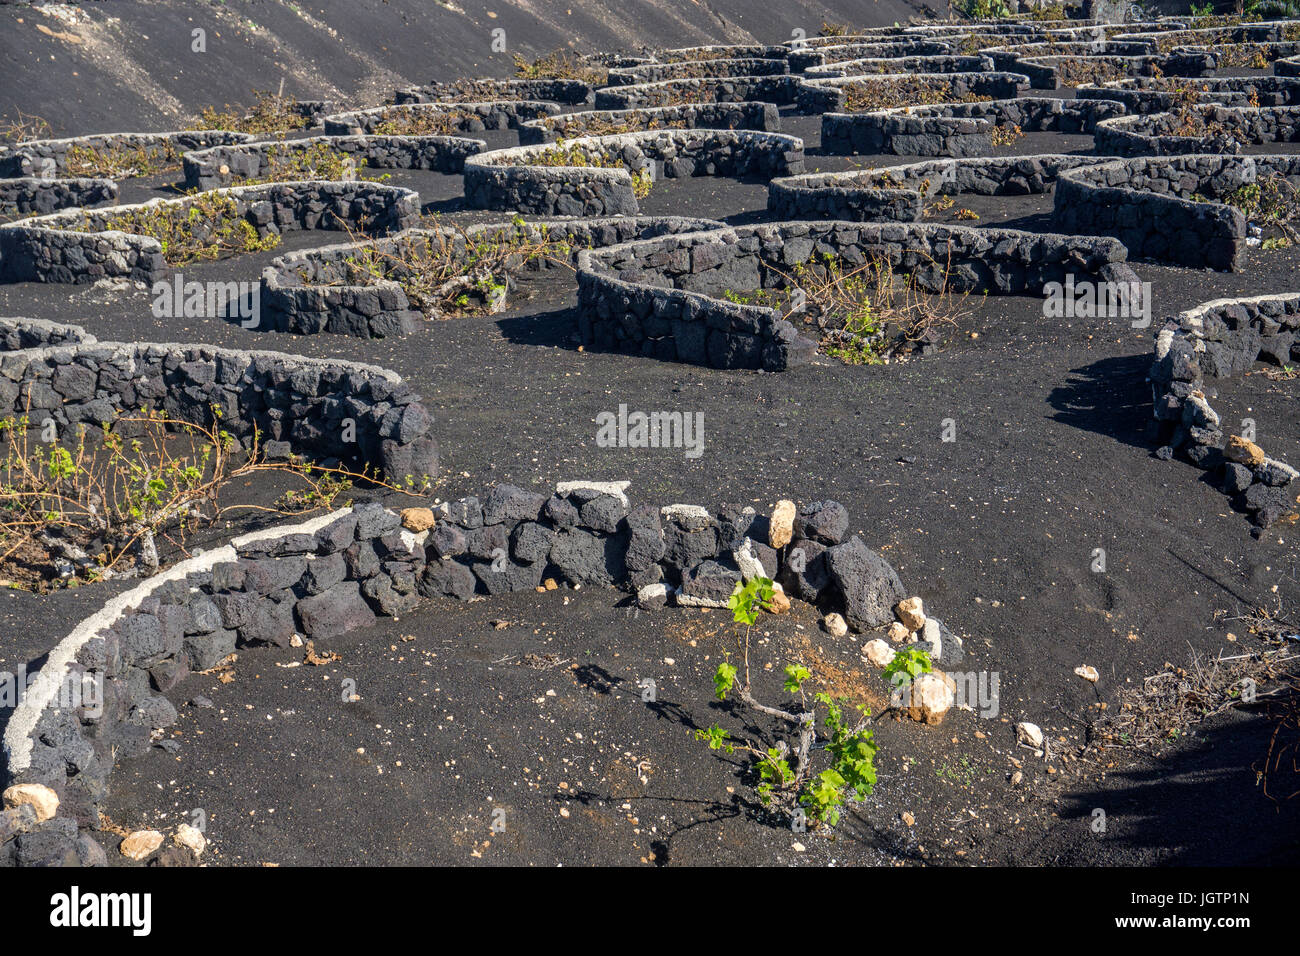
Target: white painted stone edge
(18,739)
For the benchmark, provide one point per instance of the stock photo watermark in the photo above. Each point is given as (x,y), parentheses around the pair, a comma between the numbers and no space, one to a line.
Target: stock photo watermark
(624,429)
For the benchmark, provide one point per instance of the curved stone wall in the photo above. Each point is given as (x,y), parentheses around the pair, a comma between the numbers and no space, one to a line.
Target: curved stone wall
(763,117)
(569,92)
(70,246)
(1145,94)
(897,193)
(1217,340)
(30,196)
(938,63)
(302,292)
(957,129)
(295,404)
(781,90)
(828,95)
(470,117)
(1220,129)
(48,157)
(344,570)
(663,298)
(696,69)
(1168,209)
(222,165)
(503,179)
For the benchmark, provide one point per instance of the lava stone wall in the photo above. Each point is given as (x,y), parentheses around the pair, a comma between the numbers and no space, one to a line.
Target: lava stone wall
(1146,203)
(1145,94)
(503,180)
(36,157)
(296,297)
(957,129)
(804,60)
(297,405)
(222,165)
(345,570)
(569,92)
(696,69)
(663,298)
(780,90)
(1215,341)
(763,117)
(68,246)
(939,63)
(24,333)
(473,117)
(827,96)
(1229,129)
(863,196)
(732,51)
(30,196)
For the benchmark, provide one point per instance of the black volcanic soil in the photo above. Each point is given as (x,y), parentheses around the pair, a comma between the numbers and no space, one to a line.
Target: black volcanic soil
(995,531)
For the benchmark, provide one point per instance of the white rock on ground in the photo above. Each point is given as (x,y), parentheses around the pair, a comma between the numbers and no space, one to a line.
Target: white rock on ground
(41,798)
(616,488)
(140,844)
(930,696)
(748,563)
(1088,673)
(898,633)
(878,653)
(835,625)
(652,596)
(188,836)
(930,632)
(781,529)
(911,613)
(1031,735)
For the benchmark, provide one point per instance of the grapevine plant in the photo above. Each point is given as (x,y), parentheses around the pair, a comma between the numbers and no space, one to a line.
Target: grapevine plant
(785,771)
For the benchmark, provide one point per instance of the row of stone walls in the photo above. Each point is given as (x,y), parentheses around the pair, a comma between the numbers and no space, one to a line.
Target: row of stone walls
(1220,129)
(303,292)
(939,63)
(503,179)
(48,157)
(696,69)
(222,165)
(897,193)
(1144,94)
(470,117)
(1167,209)
(780,90)
(73,247)
(665,298)
(763,117)
(828,95)
(569,92)
(957,129)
